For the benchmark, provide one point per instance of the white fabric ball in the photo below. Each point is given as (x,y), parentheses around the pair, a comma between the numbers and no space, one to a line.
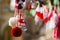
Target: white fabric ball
(12,21)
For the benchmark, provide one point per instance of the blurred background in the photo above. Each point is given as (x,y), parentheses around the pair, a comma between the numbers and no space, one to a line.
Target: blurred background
(6,11)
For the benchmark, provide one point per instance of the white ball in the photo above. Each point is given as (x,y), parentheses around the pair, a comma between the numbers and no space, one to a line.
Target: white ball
(12,21)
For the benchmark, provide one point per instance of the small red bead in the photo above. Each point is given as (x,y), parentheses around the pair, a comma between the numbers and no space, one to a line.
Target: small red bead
(16,32)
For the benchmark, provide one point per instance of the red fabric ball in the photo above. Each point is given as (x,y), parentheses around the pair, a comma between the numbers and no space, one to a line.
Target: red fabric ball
(16,32)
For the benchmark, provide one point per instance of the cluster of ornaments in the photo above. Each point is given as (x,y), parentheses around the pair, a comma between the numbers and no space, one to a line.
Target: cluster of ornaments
(49,15)
(17,25)
(17,22)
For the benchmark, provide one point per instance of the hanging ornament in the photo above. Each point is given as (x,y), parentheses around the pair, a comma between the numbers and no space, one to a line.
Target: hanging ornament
(17,22)
(57,28)
(51,17)
(32,12)
(16,32)
(39,11)
(12,21)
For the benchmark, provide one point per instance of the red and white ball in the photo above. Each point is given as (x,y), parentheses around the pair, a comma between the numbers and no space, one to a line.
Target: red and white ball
(16,32)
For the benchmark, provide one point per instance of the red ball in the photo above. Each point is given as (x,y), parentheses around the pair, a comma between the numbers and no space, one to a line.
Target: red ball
(16,32)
